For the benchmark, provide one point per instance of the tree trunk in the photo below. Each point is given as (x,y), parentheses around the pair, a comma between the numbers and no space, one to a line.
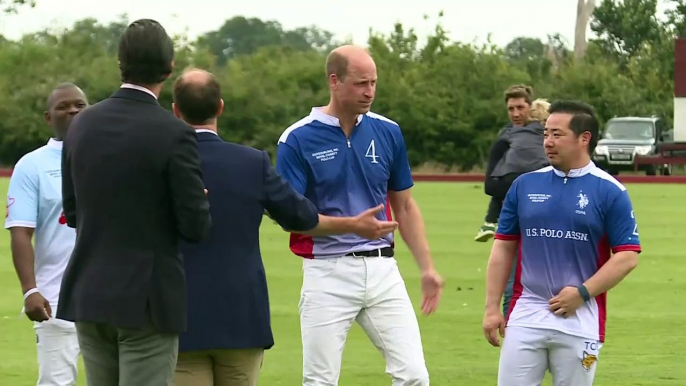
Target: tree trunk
(584,10)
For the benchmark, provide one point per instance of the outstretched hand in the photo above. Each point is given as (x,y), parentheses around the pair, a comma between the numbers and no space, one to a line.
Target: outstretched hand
(369,227)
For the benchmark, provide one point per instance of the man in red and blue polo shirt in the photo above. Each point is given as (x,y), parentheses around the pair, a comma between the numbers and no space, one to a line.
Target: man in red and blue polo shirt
(573,229)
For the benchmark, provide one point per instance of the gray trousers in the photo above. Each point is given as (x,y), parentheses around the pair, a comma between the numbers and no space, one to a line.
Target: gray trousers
(119,357)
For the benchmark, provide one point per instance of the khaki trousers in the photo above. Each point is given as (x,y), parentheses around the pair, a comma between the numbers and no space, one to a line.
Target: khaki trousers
(219,367)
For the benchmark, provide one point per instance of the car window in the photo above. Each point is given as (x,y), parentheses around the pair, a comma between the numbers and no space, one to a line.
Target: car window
(629,130)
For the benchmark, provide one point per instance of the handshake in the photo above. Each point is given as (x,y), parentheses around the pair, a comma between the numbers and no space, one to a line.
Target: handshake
(365,225)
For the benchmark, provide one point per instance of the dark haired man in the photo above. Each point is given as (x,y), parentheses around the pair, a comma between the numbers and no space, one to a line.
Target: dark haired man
(220,349)
(133,190)
(565,221)
(511,155)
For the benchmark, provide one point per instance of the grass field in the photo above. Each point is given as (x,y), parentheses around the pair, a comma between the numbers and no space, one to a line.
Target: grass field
(646,316)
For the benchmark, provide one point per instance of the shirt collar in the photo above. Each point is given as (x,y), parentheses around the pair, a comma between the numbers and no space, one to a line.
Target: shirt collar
(576,172)
(205,131)
(139,88)
(319,115)
(55,144)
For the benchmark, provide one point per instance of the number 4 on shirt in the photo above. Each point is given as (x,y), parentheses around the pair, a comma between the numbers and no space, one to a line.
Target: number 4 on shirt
(635,225)
(371,152)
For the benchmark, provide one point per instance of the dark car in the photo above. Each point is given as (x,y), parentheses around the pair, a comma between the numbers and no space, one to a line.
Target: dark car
(625,137)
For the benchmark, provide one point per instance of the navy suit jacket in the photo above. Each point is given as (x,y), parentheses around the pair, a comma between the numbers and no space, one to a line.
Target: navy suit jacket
(228,301)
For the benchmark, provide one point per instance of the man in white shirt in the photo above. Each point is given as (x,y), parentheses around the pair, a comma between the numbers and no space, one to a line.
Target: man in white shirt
(34,208)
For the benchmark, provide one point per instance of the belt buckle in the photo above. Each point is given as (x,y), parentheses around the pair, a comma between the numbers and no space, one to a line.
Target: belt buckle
(368,253)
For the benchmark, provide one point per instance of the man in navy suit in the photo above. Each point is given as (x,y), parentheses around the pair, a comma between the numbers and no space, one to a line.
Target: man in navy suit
(226,337)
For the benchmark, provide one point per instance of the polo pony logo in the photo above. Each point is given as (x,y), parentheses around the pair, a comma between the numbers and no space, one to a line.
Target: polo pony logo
(583,200)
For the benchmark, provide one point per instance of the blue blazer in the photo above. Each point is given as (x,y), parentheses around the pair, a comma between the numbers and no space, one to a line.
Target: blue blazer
(228,301)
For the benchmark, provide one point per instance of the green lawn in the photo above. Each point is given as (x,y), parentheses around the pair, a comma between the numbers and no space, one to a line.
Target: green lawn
(646,317)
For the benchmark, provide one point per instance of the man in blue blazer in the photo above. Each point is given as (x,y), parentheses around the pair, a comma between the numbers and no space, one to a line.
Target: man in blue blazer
(228,304)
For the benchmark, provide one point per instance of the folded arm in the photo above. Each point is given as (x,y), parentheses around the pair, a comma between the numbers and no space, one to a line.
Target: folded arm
(622,230)
(612,273)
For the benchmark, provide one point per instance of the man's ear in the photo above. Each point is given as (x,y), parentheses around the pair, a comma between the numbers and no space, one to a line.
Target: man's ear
(175,110)
(221,107)
(171,67)
(47,117)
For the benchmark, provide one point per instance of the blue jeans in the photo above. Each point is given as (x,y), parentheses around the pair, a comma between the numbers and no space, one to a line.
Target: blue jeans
(509,288)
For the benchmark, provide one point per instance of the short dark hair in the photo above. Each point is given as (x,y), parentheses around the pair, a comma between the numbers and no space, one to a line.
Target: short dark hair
(520,91)
(146,53)
(198,102)
(337,63)
(583,119)
(51,98)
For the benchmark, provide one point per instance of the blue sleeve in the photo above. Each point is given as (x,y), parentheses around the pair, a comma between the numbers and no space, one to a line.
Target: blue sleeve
(23,196)
(290,165)
(620,224)
(400,176)
(508,222)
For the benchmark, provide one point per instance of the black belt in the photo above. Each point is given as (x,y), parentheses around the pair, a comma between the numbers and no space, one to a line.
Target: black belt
(383,252)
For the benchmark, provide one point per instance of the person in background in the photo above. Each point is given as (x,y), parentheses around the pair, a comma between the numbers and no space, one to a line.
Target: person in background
(518,149)
(539,111)
(34,210)
(539,114)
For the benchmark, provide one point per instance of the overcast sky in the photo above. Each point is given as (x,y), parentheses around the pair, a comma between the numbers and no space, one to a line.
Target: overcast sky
(466,20)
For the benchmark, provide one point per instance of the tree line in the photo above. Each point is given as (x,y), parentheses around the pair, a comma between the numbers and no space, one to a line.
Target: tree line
(447,96)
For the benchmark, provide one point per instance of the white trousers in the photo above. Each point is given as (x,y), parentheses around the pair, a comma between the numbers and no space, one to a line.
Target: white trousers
(371,291)
(527,353)
(58,351)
